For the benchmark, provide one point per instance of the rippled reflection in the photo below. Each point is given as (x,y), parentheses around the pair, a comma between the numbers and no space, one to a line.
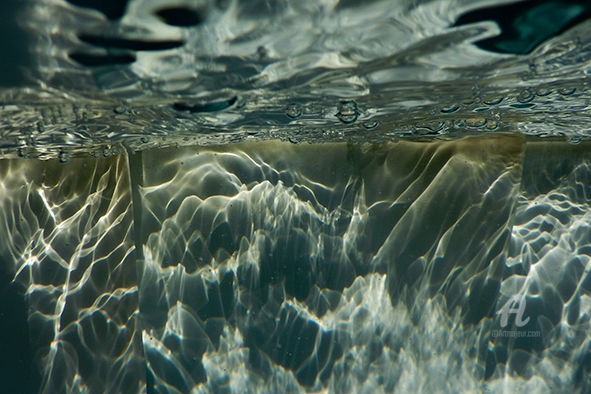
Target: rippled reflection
(84,75)
(273,266)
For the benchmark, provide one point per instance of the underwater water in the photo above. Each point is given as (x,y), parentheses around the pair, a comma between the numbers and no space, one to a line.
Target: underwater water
(295,196)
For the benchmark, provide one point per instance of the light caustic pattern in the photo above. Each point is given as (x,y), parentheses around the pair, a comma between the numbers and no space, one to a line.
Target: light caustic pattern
(271,266)
(66,236)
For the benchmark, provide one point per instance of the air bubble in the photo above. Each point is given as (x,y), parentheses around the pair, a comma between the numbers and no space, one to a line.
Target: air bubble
(347,111)
(495,115)
(475,122)
(450,109)
(523,106)
(491,124)
(370,124)
(64,157)
(433,128)
(333,133)
(107,151)
(21,152)
(525,96)
(493,100)
(574,139)
(293,111)
(543,91)
(120,109)
(566,91)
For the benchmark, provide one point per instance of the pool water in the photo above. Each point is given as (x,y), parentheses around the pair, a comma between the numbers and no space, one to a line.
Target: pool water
(327,196)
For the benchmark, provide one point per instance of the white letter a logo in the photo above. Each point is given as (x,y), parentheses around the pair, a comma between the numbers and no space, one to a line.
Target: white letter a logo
(516,304)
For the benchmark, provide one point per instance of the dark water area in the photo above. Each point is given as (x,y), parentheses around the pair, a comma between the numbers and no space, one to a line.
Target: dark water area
(17,370)
(13,45)
(295,196)
(525,25)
